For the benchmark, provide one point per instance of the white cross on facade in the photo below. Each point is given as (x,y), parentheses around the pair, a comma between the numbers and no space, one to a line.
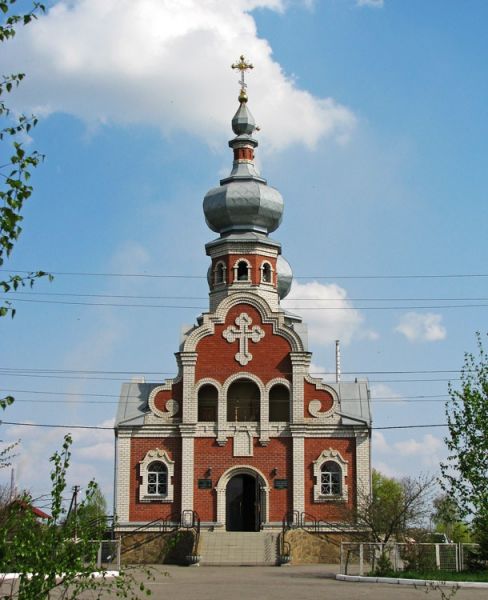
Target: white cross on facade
(243,332)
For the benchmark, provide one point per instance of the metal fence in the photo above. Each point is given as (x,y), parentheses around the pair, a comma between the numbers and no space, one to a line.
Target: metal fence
(108,555)
(359,558)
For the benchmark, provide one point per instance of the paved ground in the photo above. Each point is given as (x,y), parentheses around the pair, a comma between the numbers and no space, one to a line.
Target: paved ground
(311,582)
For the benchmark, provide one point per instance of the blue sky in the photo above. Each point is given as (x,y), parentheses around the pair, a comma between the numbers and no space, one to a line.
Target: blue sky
(373,127)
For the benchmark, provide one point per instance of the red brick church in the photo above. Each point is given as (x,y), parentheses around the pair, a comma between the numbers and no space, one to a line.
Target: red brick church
(243,434)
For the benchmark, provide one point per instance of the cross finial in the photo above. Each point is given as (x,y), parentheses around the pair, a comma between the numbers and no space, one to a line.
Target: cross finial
(243,66)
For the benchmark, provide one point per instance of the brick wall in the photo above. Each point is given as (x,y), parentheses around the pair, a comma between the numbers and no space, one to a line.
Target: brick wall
(270,354)
(276,455)
(148,511)
(329,511)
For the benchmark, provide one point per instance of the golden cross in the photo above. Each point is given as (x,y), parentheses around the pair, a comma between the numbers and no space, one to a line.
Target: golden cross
(243,66)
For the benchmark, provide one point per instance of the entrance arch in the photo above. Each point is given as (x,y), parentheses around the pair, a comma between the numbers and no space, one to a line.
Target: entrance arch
(242,499)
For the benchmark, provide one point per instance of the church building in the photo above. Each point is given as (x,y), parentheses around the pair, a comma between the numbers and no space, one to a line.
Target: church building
(243,435)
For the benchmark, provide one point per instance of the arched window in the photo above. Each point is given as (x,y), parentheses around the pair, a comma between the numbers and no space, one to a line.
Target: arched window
(157,479)
(156,471)
(330,472)
(219,273)
(266,273)
(279,403)
(243,398)
(331,479)
(242,271)
(207,403)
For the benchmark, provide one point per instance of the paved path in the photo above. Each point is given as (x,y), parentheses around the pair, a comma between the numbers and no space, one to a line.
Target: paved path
(311,582)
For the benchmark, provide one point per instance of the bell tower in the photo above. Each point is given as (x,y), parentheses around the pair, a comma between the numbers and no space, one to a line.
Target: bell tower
(244,210)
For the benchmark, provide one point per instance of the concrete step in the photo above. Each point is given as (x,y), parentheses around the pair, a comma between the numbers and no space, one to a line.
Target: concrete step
(238,548)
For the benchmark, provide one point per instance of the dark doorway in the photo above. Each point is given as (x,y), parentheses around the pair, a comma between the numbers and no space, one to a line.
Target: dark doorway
(242,504)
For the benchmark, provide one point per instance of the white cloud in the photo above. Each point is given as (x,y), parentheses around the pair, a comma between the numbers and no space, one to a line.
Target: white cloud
(166,64)
(418,327)
(428,451)
(371,3)
(90,446)
(380,444)
(384,393)
(329,314)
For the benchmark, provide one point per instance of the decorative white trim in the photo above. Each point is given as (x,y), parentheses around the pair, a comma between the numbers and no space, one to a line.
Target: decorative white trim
(329,455)
(172,406)
(156,455)
(243,332)
(276,320)
(221,488)
(314,406)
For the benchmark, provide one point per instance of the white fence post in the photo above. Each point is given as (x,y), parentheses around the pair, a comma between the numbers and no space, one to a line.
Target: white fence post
(361,559)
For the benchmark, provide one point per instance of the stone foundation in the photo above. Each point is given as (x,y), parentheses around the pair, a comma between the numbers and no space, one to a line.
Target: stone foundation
(157,548)
(310,548)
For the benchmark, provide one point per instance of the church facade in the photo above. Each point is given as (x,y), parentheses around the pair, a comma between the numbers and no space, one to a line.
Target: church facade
(243,435)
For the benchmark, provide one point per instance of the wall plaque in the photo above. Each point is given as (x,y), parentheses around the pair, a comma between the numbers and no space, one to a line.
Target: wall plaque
(204,484)
(281,484)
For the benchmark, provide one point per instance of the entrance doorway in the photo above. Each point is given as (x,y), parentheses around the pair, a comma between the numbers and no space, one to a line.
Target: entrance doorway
(243,504)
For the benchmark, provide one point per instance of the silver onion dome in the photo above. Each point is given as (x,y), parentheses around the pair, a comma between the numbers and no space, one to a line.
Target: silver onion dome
(243,201)
(285,277)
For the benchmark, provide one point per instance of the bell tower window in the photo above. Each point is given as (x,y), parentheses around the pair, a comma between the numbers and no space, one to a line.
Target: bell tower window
(266,273)
(242,271)
(219,273)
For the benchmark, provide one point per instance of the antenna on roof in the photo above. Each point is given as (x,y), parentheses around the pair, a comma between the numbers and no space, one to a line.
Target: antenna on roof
(338,360)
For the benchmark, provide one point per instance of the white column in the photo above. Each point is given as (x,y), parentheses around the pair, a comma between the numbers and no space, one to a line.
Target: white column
(122,466)
(363,464)
(298,472)
(188,360)
(264,418)
(187,466)
(300,362)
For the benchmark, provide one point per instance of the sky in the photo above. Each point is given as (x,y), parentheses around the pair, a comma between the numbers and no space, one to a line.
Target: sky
(373,126)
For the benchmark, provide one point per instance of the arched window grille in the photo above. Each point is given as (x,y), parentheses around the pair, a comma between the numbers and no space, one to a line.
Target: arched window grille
(157,479)
(331,479)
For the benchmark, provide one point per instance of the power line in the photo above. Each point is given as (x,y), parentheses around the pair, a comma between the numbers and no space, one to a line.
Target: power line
(140,373)
(159,297)
(419,397)
(422,426)
(172,276)
(205,308)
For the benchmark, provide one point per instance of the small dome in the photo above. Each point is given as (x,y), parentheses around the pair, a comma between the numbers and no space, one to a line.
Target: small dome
(285,277)
(243,205)
(243,122)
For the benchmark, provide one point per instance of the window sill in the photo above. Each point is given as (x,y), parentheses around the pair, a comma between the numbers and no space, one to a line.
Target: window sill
(159,499)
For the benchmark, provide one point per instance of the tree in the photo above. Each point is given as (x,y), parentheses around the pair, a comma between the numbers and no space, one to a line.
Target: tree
(48,556)
(447,519)
(465,472)
(91,515)
(15,173)
(394,507)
